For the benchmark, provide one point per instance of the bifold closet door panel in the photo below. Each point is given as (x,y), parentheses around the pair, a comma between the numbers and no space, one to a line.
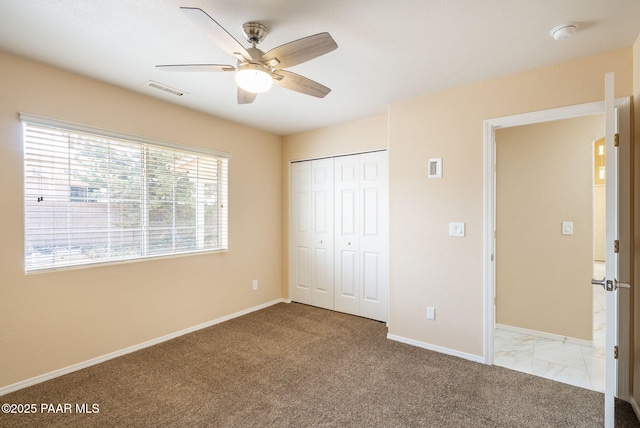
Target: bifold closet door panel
(300,233)
(322,247)
(347,230)
(374,235)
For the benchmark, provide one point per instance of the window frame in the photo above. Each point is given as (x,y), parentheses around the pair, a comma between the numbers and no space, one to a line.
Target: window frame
(221,159)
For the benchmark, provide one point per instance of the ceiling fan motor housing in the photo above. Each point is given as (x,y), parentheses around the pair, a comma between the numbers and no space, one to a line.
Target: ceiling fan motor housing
(254,32)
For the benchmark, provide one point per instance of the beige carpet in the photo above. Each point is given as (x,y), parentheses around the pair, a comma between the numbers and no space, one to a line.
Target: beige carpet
(292,365)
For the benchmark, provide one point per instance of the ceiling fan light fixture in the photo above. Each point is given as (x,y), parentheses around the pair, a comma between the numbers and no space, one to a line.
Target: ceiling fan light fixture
(253,78)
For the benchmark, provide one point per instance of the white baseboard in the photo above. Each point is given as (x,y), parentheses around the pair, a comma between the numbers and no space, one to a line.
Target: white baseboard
(544,335)
(440,349)
(92,362)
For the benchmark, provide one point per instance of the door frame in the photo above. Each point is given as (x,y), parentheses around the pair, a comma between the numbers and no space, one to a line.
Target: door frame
(624,108)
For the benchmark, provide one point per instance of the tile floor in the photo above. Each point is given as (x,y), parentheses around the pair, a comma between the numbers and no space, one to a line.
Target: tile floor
(577,365)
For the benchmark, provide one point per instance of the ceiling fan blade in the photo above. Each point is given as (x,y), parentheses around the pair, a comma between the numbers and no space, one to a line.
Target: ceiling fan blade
(301,84)
(216,32)
(245,97)
(299,51)
(196,67)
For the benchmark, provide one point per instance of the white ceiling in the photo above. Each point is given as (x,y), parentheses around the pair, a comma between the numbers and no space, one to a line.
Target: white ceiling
(388,50)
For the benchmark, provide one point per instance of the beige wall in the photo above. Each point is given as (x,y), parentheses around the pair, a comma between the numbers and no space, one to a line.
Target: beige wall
(544,176)
(427,267)
(353,137)
(53,320)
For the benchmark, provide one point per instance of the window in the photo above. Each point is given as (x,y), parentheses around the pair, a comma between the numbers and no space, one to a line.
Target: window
(94,196)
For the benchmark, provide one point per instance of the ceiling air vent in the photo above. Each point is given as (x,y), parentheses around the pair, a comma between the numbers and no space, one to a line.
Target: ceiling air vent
(165,88)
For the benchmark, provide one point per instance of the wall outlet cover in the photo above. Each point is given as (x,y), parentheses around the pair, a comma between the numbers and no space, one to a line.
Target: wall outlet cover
(431,313)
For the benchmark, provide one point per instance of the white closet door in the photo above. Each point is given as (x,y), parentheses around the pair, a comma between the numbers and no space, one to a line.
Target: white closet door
(373,235)
(347,226)
(300,229)
(322,233)
(361,259)
(339,234)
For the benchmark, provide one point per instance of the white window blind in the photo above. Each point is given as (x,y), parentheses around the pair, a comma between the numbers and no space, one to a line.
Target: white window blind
(94,196)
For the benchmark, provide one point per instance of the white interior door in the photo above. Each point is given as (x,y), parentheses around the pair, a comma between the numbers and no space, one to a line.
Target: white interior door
(611,271)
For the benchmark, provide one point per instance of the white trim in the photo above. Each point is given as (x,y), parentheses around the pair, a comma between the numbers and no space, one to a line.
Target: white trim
(489,241)
(92,362)
(119,262)
(547,115)
(440,349)
(45,121)
(545,335)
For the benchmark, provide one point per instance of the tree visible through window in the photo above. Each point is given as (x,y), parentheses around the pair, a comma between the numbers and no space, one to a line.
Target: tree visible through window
(93,198)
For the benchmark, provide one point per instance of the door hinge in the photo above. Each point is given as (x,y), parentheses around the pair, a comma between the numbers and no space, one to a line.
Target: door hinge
(616,140)
(616,246)
(615,352)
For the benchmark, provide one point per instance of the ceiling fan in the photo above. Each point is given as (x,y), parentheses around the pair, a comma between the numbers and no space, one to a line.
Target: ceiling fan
(256,71)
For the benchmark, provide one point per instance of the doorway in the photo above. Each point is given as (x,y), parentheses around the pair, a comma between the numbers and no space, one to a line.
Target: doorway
(544,251)
(490,253)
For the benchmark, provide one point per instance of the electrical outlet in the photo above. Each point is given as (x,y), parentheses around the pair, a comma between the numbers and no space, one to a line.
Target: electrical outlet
(431,313)
(255,284)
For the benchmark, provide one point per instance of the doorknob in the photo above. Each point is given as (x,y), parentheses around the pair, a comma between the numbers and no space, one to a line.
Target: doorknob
(610,285)
(600,282)
(621,284)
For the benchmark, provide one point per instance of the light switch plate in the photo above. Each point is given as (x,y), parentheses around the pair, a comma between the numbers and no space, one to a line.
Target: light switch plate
(567,228)
(456,229)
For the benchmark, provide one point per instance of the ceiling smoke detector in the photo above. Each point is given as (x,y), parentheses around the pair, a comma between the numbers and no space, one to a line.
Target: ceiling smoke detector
(563,31)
